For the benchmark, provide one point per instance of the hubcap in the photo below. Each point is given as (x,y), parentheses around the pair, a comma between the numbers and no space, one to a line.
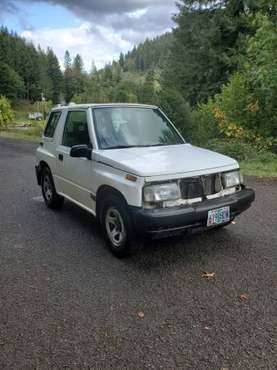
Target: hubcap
(47,188)
(115,227)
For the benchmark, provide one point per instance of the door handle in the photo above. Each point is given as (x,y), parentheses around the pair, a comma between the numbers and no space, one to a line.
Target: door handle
(60,157)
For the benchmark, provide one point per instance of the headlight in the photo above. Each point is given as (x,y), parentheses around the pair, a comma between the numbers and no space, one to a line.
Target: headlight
(231,179)
(161,192)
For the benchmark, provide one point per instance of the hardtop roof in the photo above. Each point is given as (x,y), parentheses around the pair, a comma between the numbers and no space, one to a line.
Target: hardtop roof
(102,105)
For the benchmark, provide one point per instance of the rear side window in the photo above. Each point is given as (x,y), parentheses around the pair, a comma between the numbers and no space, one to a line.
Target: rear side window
(76,129)
(52,124)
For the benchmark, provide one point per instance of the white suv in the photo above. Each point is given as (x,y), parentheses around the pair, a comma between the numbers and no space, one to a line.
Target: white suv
(130,167)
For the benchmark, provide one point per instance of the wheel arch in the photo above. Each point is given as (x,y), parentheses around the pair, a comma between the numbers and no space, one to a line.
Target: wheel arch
(102,192)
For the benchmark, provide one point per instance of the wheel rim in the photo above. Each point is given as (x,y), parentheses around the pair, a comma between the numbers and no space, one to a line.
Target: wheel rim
(115,227)
(47,188)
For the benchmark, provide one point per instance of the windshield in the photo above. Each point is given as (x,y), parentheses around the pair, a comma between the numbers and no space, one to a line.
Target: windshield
(125,127)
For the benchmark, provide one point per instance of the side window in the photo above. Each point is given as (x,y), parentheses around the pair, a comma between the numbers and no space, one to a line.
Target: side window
(52,124)
(76,129)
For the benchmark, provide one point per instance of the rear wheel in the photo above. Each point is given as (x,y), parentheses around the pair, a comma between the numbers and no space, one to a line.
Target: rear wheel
(51,197)
(116,225)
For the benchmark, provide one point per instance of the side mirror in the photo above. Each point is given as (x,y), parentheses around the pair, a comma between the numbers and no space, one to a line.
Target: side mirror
(80,151)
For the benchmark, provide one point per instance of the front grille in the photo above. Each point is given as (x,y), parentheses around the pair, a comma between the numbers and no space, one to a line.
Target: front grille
(211,184)
(198,187)
(191,188)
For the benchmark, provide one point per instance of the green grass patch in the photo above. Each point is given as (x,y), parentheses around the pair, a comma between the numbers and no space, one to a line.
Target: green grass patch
(32,133)
(252,162)
(259,169)
(32,130)
(20,136)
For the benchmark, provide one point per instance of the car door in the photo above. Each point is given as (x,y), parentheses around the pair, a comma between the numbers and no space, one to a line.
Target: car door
(76,174)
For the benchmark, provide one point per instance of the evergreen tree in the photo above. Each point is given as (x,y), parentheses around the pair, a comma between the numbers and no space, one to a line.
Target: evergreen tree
(11,84)
(208,41)
(67,60)
(93,69)
(121,60)
(45,81)
(148,92)
(69,86)
(25,69)
(79,75)
(78,65)
(54,72)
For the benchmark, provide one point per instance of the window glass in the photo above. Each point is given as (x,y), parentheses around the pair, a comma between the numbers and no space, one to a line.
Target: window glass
(132,126)
(52,124)
(76,129)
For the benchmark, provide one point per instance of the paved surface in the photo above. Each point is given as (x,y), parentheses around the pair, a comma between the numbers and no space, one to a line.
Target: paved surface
(67,303)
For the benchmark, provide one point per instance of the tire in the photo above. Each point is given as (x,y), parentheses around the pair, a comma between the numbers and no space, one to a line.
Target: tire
(51,198)
(116,225)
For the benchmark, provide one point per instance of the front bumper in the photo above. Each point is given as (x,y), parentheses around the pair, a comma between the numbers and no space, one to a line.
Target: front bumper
(158,222)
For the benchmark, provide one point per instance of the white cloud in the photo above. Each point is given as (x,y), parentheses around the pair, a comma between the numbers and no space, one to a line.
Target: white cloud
(137,13)
(99,44)
(108,27)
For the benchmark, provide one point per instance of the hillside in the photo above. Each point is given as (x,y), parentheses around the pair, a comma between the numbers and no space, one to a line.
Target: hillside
(27,72)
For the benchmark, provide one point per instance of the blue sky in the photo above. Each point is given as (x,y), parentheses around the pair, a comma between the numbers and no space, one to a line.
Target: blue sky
(97,29)
(39,15)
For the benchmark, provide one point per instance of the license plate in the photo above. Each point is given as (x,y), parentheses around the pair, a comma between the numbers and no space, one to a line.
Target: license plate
(218,216)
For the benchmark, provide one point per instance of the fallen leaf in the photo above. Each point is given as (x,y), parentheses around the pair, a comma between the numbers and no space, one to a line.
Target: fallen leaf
(141,314)
(207,328)
(233,222)
(208,275)
(244,297)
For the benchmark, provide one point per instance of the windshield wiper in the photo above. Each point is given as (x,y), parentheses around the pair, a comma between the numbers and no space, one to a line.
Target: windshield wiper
(122,146)
(134,146)
(160,144)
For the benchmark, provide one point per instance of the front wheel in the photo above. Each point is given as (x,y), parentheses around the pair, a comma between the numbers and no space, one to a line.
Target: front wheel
(116,224)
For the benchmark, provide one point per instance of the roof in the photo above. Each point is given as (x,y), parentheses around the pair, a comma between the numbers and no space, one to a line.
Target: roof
(104,105)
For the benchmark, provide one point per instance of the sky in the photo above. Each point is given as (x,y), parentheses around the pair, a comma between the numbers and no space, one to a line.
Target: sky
(97,29)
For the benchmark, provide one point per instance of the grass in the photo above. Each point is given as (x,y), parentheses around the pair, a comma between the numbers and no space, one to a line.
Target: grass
(32,132)
(264,164)
(259,168)
(19,135)
(252,163)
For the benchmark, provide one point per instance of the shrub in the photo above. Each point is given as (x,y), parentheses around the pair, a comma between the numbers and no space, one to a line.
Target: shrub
(266,157)
(178,111)
(245,109)
(6,114)
(235,149)
(205,124)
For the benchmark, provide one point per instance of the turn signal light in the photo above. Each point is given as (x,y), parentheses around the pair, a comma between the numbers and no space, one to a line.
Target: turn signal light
(131,177)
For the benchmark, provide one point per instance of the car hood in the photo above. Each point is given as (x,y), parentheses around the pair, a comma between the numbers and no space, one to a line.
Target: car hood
(166,160)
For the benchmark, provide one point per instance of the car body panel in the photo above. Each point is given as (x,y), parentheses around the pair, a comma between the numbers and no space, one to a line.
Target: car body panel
(167,160)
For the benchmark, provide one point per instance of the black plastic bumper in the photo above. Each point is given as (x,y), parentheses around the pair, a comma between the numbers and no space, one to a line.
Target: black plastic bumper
(158,222)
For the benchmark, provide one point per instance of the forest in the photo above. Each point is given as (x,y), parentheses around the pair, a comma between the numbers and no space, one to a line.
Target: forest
(215,75)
